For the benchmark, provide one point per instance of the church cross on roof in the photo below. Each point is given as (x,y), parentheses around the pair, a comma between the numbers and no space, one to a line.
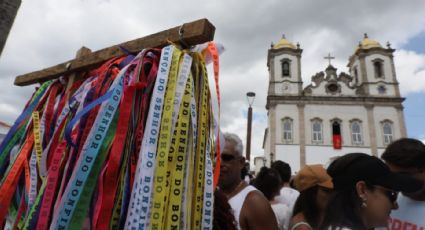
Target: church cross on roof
(329,57)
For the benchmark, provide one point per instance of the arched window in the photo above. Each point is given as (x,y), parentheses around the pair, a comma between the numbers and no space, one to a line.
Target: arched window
(356,132)
(286,67)
(317,133)
(387,130)
(378,68)
(287,130)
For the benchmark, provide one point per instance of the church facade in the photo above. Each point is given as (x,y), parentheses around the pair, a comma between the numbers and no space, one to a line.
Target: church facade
(337,113)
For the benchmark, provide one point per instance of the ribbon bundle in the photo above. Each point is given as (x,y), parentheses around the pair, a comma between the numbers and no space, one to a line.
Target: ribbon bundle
(132,146)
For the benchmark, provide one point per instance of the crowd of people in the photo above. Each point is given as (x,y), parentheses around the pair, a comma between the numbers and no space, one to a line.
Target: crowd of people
(356,191)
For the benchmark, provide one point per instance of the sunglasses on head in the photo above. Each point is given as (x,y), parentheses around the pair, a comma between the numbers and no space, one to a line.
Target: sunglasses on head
(227,157)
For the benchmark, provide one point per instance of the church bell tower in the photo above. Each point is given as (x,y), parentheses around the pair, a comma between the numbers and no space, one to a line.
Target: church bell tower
(284,64)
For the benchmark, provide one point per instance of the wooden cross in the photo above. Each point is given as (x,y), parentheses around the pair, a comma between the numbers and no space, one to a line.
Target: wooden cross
(329,57)
(191,33)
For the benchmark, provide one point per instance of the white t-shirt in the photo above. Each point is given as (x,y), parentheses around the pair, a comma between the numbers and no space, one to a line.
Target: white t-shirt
(281,212)
(409,215)
(288,196)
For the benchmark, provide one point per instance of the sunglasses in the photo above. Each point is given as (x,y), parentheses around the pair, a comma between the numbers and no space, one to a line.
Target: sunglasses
(392,195)
(227,157)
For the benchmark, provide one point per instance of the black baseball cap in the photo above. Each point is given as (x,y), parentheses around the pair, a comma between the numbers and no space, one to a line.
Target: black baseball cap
(372,170)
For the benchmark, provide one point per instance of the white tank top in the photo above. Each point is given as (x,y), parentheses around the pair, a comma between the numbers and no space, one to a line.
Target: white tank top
(237,201)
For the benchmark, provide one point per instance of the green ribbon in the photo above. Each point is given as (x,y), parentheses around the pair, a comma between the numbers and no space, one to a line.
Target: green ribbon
(83,204)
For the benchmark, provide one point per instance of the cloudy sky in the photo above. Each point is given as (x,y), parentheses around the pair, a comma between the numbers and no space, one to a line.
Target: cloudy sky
(49,32)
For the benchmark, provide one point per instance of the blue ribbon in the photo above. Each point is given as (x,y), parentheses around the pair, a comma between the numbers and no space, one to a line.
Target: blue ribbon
(88,108)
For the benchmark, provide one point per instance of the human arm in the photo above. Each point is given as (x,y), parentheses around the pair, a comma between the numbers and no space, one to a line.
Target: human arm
(257,213)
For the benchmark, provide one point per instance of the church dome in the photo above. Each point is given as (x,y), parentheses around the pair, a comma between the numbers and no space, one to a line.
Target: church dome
(367,43)
(284,43)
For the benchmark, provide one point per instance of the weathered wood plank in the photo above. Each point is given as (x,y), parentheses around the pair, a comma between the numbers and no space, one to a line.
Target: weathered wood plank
(195,32)
(71,78)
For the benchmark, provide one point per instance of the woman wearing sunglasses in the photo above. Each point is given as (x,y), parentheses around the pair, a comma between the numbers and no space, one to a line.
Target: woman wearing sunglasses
(365,192)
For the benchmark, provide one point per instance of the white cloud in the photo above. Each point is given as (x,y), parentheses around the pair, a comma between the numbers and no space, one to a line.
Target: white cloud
(410,69)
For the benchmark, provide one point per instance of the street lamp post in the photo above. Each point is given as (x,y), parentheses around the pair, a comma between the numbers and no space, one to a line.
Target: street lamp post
(250,96)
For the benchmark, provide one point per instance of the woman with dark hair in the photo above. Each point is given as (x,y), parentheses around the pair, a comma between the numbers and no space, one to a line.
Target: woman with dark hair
(223,214)
(365,192)
(315,186)
(269,182)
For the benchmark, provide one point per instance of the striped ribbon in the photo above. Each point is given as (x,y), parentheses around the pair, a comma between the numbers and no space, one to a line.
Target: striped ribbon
(133,145)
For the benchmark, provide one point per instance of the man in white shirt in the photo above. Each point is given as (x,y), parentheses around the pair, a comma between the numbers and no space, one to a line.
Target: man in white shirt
(407,156)
(288,195)
(250,208)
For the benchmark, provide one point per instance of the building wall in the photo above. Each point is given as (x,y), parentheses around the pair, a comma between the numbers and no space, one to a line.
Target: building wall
(321,153)
(283,111)
(286,85)
(385,113)
(289,154)
(345,113)
(370,71)
(356,64)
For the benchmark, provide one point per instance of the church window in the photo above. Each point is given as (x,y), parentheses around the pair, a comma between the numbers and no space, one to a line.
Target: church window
(333,88)
(387,130)
(286,67)
(378,68)
(317,135)
(287,129)
(356,132)
(336,134)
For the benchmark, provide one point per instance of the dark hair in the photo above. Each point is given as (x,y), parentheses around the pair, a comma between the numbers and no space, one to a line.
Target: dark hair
(284,170)
(245,171)
(268,182)
(344,206)
(223,214)
(406,152)
(306,204)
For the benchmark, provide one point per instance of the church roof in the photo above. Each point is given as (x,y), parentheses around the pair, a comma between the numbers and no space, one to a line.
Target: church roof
(367,43)
(284,43)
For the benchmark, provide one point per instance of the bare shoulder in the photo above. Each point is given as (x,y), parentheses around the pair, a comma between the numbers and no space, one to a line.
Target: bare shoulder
(257,212)
(256,198)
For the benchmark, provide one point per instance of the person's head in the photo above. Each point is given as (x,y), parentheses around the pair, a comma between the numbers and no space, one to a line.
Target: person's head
(315,186)
(284,170)
(268,182)
(245,170)
(232,161)
(365,192)
(407,156)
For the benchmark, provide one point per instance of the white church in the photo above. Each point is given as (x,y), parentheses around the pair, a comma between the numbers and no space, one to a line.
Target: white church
(337,113)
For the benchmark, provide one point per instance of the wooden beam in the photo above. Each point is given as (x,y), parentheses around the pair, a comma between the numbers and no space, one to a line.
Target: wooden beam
(71,77)
(193,33)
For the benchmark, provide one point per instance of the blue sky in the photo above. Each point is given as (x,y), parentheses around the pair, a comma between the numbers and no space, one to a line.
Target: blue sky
(414,105)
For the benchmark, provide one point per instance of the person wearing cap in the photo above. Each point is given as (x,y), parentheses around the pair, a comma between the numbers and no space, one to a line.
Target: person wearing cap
(365,192)
(407,156)
(250,208)
(315,186)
